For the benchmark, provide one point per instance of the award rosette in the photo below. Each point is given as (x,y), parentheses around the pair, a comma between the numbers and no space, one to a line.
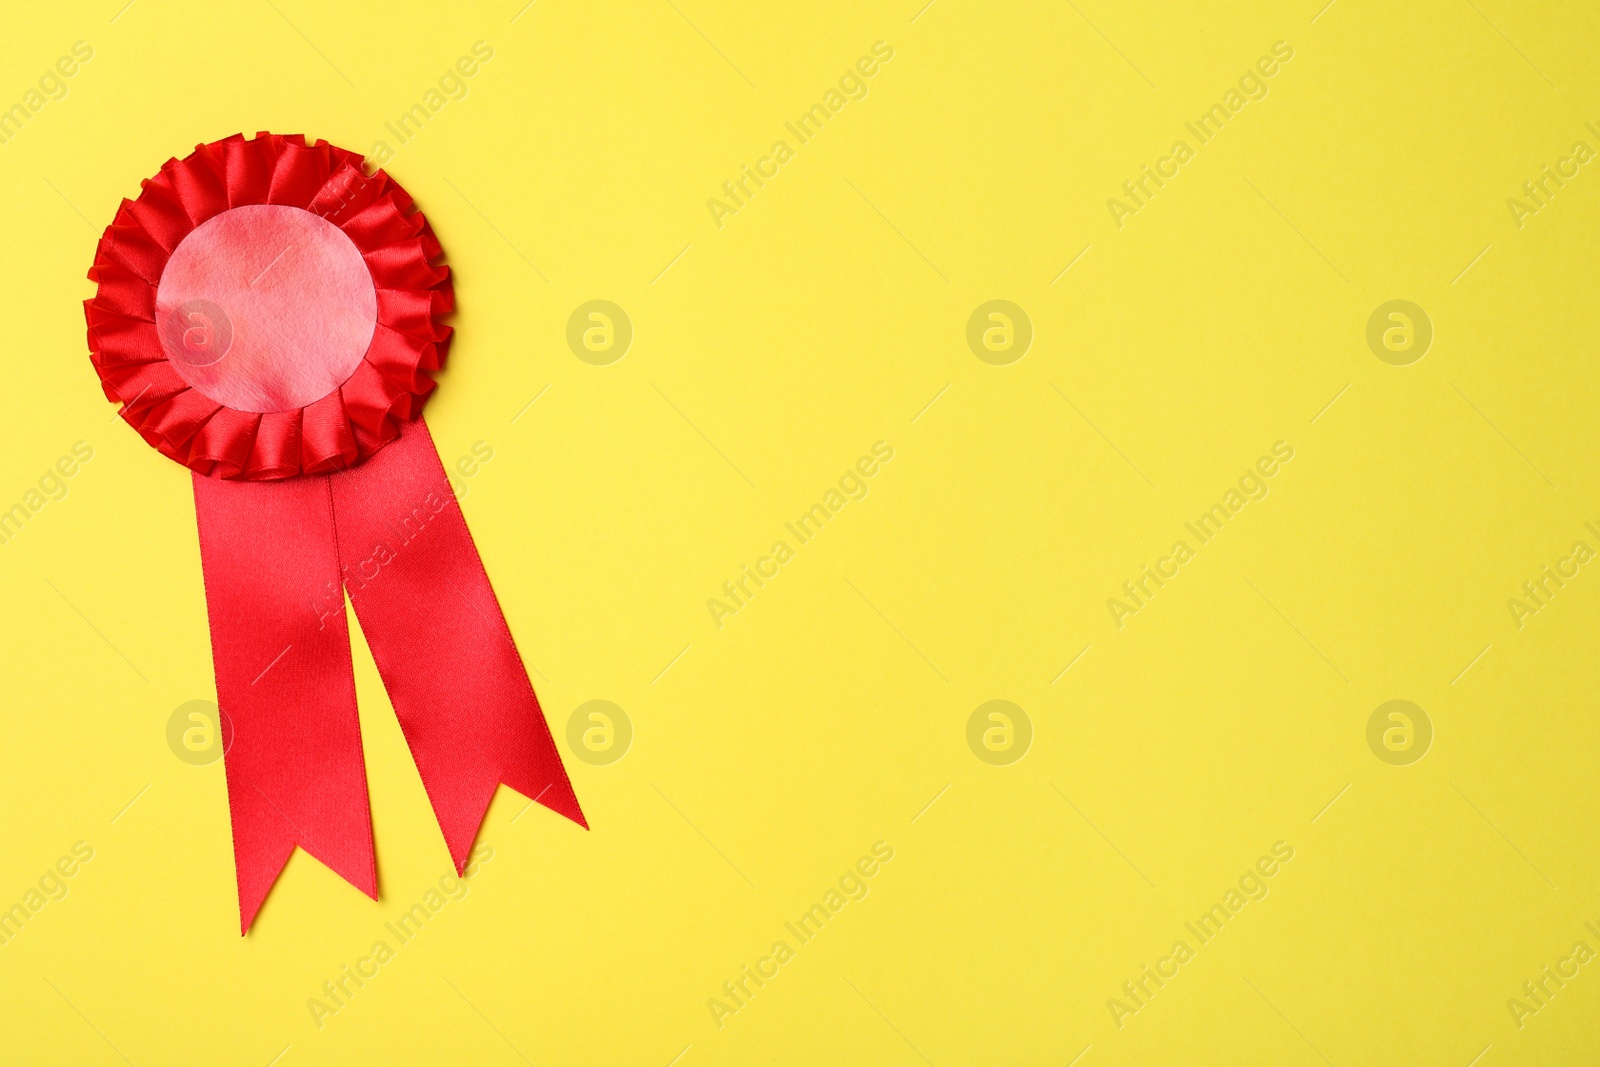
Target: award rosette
(268,315)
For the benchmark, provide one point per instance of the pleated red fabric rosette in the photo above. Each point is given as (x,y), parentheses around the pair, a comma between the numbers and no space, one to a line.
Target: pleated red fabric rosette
(268,315)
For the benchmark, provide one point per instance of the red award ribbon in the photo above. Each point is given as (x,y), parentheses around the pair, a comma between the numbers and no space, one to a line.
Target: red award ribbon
(268,315)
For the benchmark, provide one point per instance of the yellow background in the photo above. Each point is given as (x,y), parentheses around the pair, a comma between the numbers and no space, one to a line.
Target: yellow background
(768,355)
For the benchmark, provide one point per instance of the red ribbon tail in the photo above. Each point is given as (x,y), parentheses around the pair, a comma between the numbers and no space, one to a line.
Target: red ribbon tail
(439,639)
(284,682)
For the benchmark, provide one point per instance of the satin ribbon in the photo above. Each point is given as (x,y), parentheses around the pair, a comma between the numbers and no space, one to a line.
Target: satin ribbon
(277,556)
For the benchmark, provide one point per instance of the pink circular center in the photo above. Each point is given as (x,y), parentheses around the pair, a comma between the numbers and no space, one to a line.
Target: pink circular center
(266,308)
